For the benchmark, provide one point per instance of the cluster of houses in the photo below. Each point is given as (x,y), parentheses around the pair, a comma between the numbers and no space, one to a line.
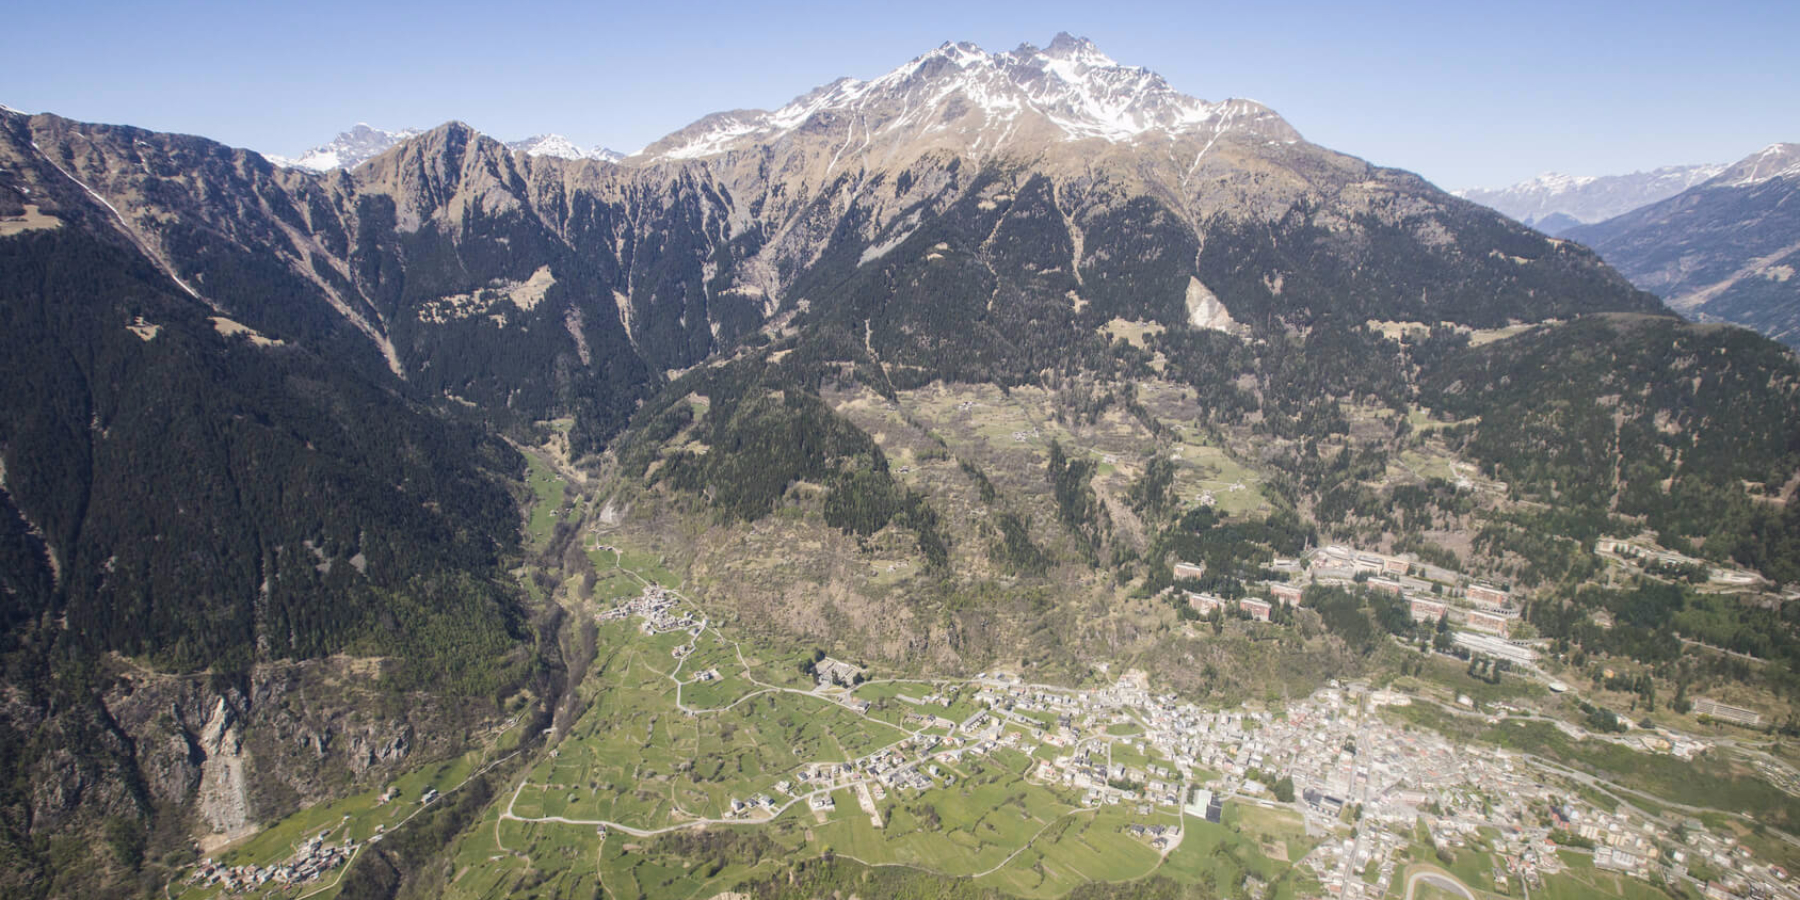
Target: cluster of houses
(1104,782)
(836,672)
(1631,845)
(314,858)
(909,765)
(657,606)
(761,804)
(1160,837)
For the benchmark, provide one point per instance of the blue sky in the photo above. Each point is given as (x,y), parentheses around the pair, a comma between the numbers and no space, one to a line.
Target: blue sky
(1465,94)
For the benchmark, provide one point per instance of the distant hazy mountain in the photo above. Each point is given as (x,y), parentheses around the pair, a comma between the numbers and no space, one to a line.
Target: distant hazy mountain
(1552,202)
(347,149)
(1726,250)
(1555,223)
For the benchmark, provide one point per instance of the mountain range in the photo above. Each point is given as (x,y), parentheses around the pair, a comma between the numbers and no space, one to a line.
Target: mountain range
(266,426)
(1723,251)
(1553,203)
(363,142)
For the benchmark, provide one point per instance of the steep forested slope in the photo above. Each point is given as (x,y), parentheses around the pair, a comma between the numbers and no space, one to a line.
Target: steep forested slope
(1641,416)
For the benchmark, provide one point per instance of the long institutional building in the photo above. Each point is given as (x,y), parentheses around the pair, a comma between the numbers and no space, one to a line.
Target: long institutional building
(1484,617)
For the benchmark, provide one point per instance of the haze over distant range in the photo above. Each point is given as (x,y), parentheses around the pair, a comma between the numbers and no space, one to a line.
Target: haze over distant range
(1463,96)
(1554,202)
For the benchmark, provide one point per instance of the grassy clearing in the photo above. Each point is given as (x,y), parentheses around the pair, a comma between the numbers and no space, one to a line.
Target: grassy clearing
(548,491)
(1202,468)
(1446,679)
(1090,845)
(635,757)
(1133,332)
(1280,828)
(1216,857)
(1584,882)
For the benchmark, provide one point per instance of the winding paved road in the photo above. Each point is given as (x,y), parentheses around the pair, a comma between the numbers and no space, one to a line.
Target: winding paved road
(1437,879)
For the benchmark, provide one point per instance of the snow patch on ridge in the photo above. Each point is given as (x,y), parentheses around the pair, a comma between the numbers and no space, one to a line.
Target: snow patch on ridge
(1773,161)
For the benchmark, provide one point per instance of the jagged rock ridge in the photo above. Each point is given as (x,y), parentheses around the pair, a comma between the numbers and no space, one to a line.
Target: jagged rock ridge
(983,103)
(651,266)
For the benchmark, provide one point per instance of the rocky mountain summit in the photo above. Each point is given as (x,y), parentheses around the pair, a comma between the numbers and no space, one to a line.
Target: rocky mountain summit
(364,142)
(986,104)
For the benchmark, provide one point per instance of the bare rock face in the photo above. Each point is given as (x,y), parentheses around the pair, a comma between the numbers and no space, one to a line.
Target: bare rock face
(224,798)
(1205,310)
(236,755)
(377,748)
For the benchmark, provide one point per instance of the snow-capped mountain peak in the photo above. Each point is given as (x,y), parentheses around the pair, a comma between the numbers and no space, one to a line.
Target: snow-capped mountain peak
(1078,50)
(548,145)
(348,149)
(1773,161)
(959,94)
